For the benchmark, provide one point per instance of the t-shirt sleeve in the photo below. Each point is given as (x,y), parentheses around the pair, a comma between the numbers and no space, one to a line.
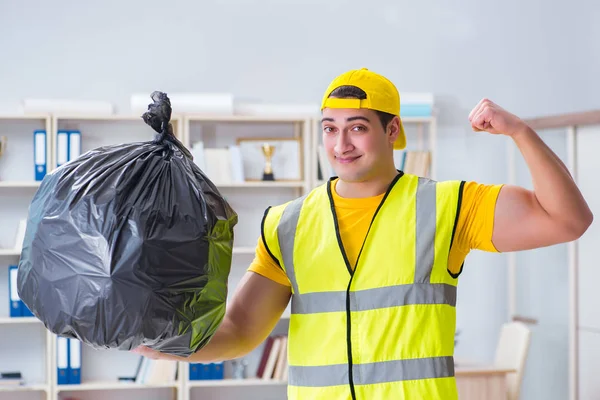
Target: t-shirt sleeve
(475,223)
(263,264)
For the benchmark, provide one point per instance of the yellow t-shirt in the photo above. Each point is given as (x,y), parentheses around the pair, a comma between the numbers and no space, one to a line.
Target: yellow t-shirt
(473,230)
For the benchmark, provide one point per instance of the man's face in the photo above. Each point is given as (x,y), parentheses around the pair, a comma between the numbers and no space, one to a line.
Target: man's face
(356,143)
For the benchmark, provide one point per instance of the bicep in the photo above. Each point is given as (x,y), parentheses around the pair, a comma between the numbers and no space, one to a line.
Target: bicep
(521,223)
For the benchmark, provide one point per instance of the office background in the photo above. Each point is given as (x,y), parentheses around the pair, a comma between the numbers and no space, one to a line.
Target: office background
(532,57)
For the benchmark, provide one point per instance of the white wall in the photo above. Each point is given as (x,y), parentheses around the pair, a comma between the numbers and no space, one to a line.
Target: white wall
(532,57)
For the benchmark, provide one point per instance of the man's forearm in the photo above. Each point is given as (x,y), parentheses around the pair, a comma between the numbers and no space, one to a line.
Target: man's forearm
(554,188)
(226,344)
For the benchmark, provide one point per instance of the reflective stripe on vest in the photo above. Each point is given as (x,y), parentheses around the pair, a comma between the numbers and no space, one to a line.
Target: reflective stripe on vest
(385,371)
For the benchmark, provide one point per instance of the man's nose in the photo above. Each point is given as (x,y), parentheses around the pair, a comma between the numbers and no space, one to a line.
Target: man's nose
(343,144)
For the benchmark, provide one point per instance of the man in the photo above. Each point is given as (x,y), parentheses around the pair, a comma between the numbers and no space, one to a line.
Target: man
(372,258)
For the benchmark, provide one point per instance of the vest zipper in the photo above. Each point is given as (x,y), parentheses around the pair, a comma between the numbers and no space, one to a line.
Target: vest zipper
(352,271)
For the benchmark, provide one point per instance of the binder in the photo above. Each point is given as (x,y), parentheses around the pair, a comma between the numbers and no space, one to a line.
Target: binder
(74,145)
(25,311)
(194,371)
(62,360)
(39,154)
(62,147)
(204,372)
(15,300)
(216,370)
(74,361)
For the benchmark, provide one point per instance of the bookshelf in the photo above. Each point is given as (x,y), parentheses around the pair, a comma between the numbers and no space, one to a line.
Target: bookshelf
(100,369)
(17,186)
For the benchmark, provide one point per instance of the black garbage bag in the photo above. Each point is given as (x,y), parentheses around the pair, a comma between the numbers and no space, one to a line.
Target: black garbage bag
(130,245)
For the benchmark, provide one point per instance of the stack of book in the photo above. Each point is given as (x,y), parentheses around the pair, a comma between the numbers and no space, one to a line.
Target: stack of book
(413,162)
(416,104)
(273,363)
(155,372)
(206,371)
(11,379)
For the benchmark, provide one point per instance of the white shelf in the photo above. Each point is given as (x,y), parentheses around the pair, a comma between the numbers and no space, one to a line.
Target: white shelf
(89,386)
(24,388)
(262,184)
(19,184)
(10,253)
(235,382)
(19,320)
(20,117)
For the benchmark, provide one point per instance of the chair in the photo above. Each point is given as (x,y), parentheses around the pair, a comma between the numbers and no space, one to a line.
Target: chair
(511,352)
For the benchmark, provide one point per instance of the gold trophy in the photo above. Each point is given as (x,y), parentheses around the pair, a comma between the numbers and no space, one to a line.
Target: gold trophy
(268,150)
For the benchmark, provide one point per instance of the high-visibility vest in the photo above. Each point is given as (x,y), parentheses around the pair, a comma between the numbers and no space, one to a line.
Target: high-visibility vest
(385,328)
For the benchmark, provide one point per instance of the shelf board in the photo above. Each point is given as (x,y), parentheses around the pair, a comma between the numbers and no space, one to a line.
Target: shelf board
(10,253)
(19,184)
(23,117)
(91,386)
(24,388)
(235,382)
(262,184)
(19,320)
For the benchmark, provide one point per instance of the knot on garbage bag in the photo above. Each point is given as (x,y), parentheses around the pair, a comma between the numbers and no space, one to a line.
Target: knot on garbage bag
(158,116)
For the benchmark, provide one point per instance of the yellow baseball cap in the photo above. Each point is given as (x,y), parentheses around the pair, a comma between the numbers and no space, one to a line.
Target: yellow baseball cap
(382,95)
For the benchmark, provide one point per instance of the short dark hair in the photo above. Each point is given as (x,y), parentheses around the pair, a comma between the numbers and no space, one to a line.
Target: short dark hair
(357,93)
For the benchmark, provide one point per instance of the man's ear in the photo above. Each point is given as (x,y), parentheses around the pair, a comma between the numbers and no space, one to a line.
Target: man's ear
(393,130)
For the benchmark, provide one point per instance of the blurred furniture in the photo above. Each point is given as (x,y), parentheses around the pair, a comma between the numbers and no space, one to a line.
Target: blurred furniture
(511,352)
(482,382)
(501,380)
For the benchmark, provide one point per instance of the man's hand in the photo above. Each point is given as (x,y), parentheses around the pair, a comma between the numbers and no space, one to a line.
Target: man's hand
(156,355)
(490,117)
(147,352)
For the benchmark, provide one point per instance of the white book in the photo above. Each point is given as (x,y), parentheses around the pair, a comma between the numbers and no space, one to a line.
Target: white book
(272,360)
(20,235)
(198,155)
(218,166)
(161,372)
(281,361)
(237,164)
(141,376)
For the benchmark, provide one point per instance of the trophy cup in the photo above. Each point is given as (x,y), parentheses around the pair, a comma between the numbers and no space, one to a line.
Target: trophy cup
(268,150)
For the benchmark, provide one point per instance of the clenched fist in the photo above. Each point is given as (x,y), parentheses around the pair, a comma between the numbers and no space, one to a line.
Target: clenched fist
(490,117)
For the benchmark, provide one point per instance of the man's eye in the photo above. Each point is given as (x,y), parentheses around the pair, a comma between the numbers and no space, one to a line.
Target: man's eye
(359,128)
(327,129)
